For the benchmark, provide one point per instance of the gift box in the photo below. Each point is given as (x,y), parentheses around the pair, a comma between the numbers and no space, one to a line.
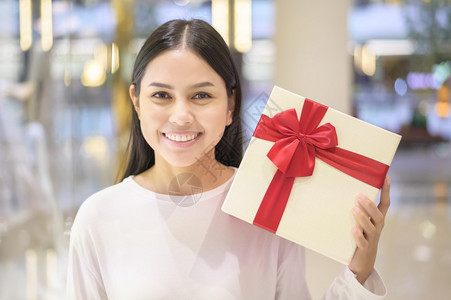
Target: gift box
(304,167)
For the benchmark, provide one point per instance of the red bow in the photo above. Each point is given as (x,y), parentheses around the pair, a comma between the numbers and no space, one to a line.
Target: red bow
(294,150)
(297,145)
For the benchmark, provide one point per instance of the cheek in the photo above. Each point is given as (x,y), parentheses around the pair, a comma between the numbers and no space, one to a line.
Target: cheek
(152,115)
(216,121)
(151,121)
(218,114)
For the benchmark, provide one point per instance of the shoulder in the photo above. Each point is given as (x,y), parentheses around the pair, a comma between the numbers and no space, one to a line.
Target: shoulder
(100,203)
(107,195)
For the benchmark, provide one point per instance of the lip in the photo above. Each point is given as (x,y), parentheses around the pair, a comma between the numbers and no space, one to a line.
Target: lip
(181,135)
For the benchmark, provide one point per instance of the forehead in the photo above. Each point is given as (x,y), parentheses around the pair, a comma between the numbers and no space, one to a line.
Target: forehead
(180,65)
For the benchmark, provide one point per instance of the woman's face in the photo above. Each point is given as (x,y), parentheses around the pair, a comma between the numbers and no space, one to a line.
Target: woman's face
(183,107)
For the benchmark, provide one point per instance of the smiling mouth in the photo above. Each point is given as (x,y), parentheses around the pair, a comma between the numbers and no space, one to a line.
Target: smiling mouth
(180,137)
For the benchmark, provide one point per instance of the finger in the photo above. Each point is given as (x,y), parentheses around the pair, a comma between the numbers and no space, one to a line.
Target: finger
(373,212)
(359,238)
(363,221)
(384,203)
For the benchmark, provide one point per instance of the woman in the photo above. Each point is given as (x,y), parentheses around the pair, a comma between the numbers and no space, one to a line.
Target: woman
(132,240)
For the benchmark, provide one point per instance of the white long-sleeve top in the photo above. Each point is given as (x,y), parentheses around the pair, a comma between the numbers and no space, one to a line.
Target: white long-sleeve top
(130,243)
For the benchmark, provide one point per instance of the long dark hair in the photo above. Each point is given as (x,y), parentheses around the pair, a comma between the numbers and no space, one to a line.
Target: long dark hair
(203,39)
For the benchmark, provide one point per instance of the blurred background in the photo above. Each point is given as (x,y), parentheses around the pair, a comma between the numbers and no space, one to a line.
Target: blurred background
(64,111)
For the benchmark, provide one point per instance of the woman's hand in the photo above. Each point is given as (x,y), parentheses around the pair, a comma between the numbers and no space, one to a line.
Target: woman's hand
(370,221)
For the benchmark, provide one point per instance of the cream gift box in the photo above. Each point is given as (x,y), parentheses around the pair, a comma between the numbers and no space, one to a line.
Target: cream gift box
(318,212)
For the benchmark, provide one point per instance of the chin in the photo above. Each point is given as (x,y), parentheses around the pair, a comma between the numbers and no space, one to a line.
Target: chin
(182,163)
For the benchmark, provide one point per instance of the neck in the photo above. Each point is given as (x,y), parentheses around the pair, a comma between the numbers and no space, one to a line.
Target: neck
(207,171)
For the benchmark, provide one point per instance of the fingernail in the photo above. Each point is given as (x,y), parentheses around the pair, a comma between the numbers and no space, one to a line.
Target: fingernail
(356,209)
(361,198)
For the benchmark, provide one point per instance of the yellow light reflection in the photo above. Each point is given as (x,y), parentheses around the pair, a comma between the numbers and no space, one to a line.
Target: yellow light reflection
(243,25)
(93,73)
(25,21)
(52,269)
(114,58)
(96,147)
(46,25)
(368,61)
(358,57)
(101,55)
(67,77)
(31,267)
(220,17)
(442,109)
(428,229)
(443,93)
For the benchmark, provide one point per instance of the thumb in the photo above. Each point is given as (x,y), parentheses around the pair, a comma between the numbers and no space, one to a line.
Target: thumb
(384,203)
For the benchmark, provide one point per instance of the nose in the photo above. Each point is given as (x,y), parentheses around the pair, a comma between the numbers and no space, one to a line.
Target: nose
(181,112)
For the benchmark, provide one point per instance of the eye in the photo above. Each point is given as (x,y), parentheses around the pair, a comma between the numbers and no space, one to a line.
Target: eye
(161,95)
(202,96)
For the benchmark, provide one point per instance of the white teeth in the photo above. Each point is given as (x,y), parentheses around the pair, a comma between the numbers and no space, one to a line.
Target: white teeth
(181,138)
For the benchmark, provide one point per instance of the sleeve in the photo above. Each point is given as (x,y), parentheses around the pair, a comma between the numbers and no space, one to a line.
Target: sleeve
(346,286)
(291,281)
(84,279)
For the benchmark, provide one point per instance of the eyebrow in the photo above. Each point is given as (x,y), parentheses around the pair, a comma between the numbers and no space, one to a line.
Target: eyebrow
(202,84)
(162,85)
(194,86)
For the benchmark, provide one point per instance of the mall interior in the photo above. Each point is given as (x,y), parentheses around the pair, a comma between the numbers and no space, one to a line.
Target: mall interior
(65,69)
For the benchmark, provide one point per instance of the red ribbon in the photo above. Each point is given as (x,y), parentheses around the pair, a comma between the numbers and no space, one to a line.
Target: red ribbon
(297,145)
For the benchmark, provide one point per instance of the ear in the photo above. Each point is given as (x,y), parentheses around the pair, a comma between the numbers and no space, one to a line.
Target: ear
(135,99)
(231,107)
